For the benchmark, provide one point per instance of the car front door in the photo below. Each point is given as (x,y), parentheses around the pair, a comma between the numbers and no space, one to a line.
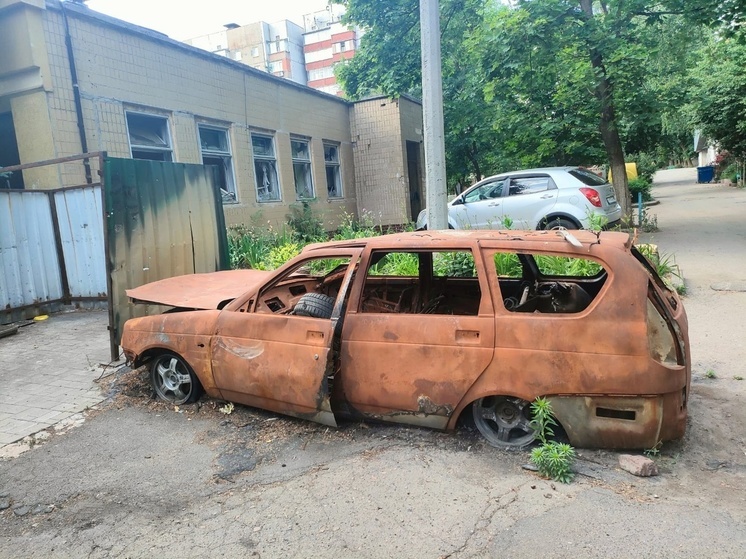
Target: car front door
(481,207)
(528,199)
(418,336)
(265,355)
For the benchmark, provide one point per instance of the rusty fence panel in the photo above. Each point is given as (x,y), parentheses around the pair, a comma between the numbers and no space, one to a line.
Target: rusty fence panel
(162,220)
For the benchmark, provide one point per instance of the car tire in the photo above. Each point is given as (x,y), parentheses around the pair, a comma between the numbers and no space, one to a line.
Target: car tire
(315,305)
(504,422)
(558,222)
(173,380)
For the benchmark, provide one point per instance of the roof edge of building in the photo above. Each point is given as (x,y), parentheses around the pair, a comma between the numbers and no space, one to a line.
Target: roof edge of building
(84,11)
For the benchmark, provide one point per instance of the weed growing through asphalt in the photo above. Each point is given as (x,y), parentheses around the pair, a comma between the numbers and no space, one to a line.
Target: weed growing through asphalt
(655,451)
(710,374)
(738,377)
(554,460)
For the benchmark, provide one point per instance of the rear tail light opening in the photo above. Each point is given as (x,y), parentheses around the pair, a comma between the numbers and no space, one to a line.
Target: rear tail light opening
(593,196)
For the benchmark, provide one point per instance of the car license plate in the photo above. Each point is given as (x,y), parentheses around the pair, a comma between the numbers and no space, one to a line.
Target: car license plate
(611,199)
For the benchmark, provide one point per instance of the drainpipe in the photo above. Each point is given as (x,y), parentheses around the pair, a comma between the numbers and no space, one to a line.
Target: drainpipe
(76,94)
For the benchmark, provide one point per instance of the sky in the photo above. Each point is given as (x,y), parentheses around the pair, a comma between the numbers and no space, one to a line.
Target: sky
(183,20)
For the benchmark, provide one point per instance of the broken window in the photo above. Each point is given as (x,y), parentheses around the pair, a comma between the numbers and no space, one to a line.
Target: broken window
(301,153)
(265,168)
(149,137)
(309,288)
(333,174)
(546,283)
(428,282)
(216,151)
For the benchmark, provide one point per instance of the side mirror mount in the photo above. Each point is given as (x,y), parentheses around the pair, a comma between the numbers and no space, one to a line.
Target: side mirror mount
(457,201)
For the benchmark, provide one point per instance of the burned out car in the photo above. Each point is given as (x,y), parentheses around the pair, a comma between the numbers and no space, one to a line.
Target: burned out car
(422,328)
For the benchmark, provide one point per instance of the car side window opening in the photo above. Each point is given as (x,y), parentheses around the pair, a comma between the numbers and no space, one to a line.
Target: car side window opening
(485,192)
(422,282)
(530,185)
(543,283)
(308,289)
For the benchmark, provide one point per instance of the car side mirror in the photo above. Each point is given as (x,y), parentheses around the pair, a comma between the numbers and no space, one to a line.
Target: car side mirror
(457,201)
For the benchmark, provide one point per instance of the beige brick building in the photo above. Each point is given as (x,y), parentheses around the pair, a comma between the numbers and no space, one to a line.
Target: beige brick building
(73,80)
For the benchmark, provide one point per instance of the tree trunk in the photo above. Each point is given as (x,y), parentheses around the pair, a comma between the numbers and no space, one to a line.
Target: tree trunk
(604,92)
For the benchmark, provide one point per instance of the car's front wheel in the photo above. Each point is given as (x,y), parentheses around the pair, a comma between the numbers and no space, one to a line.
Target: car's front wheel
(505,422)
(558,223)
(173,380)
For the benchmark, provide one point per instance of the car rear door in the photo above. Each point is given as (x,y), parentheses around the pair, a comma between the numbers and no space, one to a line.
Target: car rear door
(276,360)
(527,199)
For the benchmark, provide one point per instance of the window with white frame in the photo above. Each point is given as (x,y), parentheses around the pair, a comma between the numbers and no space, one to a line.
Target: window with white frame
(333,175)
(321,73)
(265,168)
(275,66)
(149,137)
(301,152)
(254,51)
(216,150)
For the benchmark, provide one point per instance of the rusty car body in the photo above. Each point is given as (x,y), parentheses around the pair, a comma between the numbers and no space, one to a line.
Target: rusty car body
(420,327)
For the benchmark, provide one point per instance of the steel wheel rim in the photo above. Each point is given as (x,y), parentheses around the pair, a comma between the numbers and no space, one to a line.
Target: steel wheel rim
(171,380)
(505,422)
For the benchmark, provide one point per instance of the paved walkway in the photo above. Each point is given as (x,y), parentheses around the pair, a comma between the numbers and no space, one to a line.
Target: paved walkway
(47,371)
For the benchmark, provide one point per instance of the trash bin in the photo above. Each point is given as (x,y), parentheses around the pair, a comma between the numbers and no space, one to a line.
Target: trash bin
(706,173)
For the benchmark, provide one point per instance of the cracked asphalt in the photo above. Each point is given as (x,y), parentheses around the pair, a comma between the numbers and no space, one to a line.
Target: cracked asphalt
(141,479)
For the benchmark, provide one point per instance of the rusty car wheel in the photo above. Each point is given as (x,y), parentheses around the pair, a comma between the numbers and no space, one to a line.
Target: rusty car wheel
(505,422)
(173,380)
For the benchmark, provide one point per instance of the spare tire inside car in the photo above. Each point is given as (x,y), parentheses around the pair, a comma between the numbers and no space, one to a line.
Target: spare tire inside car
(315,305)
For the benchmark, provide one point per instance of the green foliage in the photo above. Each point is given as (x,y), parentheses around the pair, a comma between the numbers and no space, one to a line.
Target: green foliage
(280,254)
(305,224)
(457,264)
(352,228)
(646,166)
(596,221)
(664,264)
(640,185)
(710,373)
(543,419)
(508,265)
(567,266)
(405,264)
(554,460)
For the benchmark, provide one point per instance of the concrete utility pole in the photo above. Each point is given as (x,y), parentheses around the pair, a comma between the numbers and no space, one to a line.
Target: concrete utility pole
(432,116)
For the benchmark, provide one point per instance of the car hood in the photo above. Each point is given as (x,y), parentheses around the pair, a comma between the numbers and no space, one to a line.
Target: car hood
(198,291)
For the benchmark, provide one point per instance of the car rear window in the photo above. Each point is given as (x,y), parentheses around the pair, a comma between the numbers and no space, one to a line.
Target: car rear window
(587,177)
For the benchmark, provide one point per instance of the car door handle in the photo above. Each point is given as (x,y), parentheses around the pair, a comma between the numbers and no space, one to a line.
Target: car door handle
(547,196)
(467,336)
(493,204)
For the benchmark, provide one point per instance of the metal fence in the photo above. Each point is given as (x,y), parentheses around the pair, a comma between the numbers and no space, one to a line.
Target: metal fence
(51,246)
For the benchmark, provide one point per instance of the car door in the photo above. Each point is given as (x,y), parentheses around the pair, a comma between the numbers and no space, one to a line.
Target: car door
(479,207)
(527,199)
(404,357)
(267,357)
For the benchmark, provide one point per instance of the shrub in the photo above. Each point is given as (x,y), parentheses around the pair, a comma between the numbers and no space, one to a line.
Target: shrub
(553,460)
(306,226)
(640,185)
(646,165)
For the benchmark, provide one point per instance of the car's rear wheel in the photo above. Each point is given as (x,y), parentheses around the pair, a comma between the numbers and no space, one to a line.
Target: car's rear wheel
(558,222)
(173,380)
(504,422)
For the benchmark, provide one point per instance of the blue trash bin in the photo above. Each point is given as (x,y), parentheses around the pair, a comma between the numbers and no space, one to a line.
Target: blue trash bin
(706,173)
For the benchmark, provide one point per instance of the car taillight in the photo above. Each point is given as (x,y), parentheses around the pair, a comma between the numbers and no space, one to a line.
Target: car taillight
(592,195)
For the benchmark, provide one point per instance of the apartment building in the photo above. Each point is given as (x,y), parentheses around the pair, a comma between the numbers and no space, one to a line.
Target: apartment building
(72,79)
(326,42)
(275,48)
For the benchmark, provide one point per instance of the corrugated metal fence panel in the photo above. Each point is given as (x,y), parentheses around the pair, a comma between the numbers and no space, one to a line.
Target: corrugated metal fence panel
(29,267)
(163,220)
(81,223)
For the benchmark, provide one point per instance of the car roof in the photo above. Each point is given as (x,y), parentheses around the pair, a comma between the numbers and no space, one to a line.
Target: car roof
(532,171)
(554,239)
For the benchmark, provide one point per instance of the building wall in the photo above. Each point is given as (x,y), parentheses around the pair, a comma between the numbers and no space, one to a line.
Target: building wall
(122,67)
(380,166)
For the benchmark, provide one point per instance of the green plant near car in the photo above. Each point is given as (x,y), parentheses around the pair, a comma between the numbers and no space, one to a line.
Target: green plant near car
(554,460)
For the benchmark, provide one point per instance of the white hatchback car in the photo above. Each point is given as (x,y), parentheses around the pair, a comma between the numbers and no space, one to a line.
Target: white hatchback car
(546,198)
